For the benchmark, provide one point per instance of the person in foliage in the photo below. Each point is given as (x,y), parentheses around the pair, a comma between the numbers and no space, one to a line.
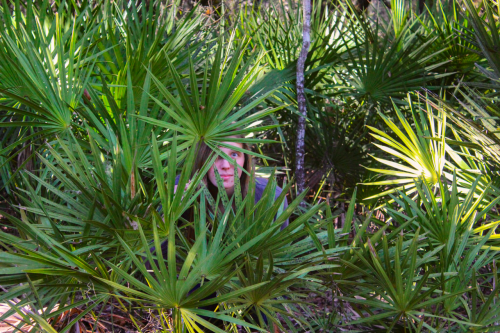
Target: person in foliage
(227,170)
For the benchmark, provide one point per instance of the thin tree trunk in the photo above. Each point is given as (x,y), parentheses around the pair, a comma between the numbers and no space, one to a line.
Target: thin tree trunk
(301,96)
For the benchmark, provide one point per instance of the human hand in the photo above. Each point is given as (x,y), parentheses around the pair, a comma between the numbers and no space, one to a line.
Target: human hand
(185,187)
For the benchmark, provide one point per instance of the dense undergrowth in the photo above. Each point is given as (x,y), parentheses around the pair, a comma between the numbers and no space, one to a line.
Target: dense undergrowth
(103,103)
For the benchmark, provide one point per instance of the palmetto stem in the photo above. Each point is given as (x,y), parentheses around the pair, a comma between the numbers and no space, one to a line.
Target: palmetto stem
(301,97)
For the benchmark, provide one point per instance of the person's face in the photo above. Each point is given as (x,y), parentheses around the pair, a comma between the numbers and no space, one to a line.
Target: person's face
(226,168)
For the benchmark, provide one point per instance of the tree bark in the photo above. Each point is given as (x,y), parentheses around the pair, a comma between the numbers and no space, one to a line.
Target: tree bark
(301,96)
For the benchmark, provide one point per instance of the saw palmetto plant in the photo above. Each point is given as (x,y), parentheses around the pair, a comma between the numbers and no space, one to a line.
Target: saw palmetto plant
(420,156)
(107,222)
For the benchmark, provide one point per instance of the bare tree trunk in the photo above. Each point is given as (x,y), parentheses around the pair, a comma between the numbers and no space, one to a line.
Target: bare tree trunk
(301,96)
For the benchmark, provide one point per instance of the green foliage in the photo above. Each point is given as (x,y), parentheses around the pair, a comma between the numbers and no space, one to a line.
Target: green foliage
(103,106)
